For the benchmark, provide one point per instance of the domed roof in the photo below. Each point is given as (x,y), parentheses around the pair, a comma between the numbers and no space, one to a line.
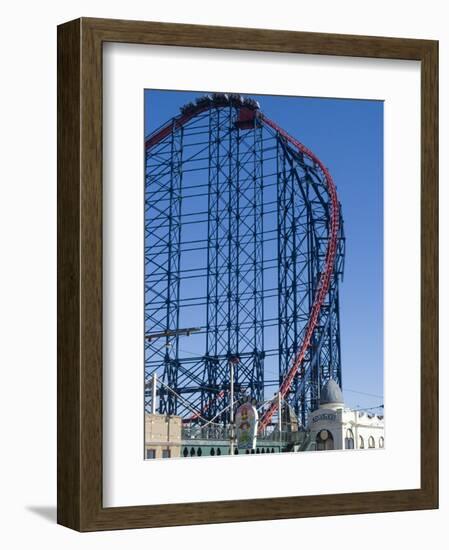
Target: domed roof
(331,394)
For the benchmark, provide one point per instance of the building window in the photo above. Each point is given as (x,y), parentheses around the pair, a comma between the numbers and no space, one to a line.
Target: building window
(324,441)
(166,453)
(371,443)
(151,453)
(349,440)
(361,443)
(381,442)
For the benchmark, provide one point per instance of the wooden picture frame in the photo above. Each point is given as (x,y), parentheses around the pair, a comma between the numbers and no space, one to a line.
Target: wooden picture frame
(80,504)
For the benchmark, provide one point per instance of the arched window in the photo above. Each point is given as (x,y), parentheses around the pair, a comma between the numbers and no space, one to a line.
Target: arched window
(381,442)
(349,440)
(371,443)
(361,443)
(324,441)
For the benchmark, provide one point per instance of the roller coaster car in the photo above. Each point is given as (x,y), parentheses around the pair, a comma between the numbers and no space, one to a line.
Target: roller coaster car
(203,101)
(220,99)
(251,104)
(188,108)
(236,99)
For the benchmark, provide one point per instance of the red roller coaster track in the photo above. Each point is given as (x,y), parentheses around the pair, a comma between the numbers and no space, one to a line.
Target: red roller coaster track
(326,274)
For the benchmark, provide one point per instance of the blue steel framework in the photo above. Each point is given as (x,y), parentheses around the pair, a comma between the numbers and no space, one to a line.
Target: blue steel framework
(236,235)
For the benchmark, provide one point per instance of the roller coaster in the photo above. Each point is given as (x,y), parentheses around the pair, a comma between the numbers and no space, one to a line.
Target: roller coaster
(244,252)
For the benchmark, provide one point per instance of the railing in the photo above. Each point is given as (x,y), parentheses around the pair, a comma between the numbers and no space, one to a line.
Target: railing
(289,435)
(213,432)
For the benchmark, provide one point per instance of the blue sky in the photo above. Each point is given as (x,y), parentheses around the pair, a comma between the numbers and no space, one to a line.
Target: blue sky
(347,135)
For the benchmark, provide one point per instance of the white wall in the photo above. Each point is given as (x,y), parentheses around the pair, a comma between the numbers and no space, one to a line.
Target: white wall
(28,268)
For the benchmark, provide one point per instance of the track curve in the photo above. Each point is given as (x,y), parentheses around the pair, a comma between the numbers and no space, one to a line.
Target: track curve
(325,278)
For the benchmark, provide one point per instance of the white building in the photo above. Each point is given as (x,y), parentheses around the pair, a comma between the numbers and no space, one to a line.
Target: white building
(332,426)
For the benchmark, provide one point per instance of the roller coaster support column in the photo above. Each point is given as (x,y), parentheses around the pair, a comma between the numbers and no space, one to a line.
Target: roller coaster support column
(280,413)
(231,410)
(153,393)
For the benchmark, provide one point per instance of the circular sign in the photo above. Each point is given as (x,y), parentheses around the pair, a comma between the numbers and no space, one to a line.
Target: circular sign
(324,434)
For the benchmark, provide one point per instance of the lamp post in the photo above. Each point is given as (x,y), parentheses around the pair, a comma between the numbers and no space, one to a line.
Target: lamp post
(231,398)
(170,333)
(233,360)
(280,414)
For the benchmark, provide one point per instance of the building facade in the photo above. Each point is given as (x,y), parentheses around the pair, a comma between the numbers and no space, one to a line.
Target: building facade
(332,426)
(162,436)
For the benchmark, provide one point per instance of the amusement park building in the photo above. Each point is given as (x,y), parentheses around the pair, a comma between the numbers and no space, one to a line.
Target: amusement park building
(332,426)
(162,436)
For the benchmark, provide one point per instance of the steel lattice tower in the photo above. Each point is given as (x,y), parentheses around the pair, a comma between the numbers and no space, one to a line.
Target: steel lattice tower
(244,249)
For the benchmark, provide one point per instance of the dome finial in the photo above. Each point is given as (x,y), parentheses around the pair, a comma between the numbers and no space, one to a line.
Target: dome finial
(331,394)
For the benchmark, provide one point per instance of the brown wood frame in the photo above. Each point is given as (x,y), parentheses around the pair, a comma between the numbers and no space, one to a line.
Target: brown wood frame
(80,274)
